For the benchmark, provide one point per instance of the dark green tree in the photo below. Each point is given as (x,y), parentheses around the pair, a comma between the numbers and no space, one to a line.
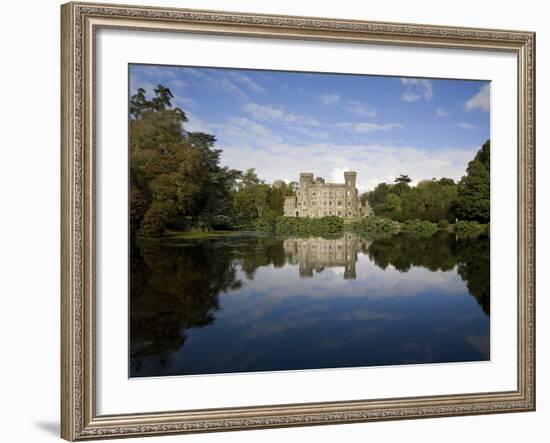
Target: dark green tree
(403,178)
(175,176)
(474,188)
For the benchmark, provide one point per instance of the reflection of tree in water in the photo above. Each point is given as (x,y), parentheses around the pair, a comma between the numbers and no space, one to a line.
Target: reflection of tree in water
(474,268)
(261,251)
(173,289)
(176,287)
(441,252)
(435,253)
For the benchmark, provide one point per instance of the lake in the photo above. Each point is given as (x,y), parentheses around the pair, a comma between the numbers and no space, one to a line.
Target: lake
(244,303)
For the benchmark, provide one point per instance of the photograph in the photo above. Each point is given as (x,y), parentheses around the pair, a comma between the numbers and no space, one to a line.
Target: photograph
(286,220)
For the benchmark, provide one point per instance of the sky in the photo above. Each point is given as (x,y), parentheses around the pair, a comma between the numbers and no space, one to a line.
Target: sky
(282,123)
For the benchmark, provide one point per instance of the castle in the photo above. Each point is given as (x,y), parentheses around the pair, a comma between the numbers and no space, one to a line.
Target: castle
(315,198)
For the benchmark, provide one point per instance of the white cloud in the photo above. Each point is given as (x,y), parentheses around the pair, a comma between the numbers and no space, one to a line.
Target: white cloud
(365,128)
(467,126)
(313,133)
(272,113)
(440,112)
(246,81)
(480,100)
(330,99)
(248,144)
(352,106)
(360,109)
(374,163)
(416,89)
(215,80)
(176,85)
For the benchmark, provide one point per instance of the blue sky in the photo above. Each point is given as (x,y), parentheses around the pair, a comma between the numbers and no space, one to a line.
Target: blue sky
(282,123)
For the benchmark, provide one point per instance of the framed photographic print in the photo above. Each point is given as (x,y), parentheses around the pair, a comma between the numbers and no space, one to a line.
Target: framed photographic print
(282,221)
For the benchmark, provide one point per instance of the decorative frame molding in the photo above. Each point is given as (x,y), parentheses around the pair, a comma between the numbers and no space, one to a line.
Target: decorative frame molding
(79,22)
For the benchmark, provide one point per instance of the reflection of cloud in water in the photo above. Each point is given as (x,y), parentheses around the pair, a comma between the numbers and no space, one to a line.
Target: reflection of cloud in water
(364,314)
(254,304)
(371,281)
(313,304)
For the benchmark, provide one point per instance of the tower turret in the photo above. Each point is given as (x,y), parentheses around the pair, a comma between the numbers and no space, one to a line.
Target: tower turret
(306,178)
(350,177)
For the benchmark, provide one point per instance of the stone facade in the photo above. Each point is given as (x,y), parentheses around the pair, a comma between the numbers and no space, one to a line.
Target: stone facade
(316,198)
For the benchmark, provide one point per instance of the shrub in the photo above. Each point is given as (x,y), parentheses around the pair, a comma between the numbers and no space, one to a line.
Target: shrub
(375,227)
(419,227)
(309,226)
(264,224)
(443,224)
(470,228)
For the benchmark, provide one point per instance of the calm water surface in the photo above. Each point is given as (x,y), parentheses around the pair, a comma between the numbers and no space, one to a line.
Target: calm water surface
(249,303)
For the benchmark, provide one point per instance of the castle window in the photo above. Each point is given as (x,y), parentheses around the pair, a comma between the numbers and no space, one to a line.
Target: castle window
(349,193)
(339,202)
(339,212)
(349,202)
(349,212)
(299,203)
(325,203)
(330,202)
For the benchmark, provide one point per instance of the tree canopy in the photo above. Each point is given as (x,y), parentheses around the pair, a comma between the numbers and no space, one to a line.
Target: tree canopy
(438,199)
(474,188)
(175,175)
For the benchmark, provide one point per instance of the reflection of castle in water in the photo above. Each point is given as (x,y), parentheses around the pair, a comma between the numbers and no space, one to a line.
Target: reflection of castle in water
(315,253)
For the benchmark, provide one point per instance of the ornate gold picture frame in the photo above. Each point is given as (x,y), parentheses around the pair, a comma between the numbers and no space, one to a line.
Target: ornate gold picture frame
(80,22)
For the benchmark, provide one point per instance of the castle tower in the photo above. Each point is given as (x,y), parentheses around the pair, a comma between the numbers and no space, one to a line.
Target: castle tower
(350,177)
(306,178)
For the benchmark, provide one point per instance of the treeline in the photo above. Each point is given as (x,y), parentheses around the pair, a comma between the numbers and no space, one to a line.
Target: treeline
(435,200)
(176,180)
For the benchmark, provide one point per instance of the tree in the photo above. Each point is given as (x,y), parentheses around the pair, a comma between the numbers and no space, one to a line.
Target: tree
(138,104)
(377,197)
(163,98)
(175,176)
(161,102)
(251,198)
(364,198)
(474,188)
(401,185)
(403,178)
